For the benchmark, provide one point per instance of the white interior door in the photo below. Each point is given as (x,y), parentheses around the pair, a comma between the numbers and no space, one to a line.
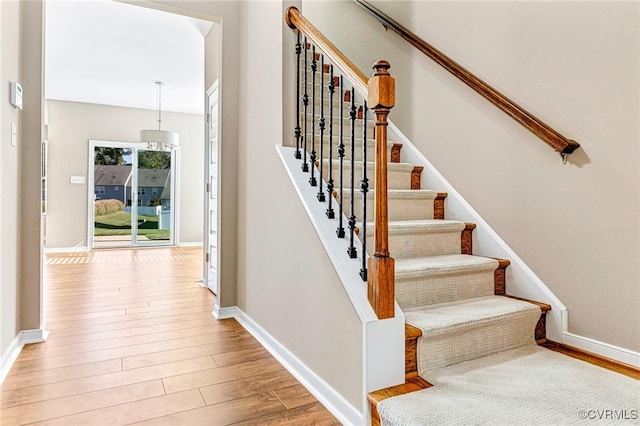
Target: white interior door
(212,201)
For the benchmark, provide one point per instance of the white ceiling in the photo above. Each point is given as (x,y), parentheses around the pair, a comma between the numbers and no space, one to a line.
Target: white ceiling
(105,52)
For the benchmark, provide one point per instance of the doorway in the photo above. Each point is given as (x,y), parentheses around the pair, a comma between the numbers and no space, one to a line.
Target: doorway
(132,195)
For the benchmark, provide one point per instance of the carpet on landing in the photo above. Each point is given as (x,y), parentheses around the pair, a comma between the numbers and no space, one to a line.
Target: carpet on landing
(530,385)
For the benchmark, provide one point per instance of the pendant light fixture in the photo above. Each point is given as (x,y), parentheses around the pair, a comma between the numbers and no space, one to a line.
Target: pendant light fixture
(159,140)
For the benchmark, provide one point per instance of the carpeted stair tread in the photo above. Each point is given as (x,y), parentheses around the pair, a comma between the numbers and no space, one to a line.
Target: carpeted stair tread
(524,386)
(347,150)
(471,328)
(391,167)
(443,265)
(440,279)
(403,204)
(420,238)
(438,319)
(398,174)
(424,226)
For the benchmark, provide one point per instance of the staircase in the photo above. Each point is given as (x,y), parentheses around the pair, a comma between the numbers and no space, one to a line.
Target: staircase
(461,326)
(455,303)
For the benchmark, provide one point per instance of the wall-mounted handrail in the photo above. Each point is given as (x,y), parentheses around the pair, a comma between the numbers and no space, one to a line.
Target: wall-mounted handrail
(378,93)
(558,142)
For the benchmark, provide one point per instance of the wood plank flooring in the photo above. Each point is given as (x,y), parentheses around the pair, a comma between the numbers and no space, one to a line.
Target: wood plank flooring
(133,341)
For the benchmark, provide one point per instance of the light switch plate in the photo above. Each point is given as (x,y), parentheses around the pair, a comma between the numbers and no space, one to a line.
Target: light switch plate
(77,179)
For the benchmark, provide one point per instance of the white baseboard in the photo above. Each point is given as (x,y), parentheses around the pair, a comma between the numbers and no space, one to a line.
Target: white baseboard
(190,244)
(346,413)
(78,249)
(603,349)
(223,313)
(10,355)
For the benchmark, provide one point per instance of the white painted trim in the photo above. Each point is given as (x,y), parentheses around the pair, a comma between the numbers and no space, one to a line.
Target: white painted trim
(603,349)
(521,280)
(332,400)
(9,356)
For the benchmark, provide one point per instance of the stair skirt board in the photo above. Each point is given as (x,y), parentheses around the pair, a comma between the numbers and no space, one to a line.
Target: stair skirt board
(440,279)
(471,328)
(528,385)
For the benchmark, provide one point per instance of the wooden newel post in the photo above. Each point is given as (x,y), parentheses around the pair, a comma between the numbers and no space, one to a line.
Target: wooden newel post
(381,98)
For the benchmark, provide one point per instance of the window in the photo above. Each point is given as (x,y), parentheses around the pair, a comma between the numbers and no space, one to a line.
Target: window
(99,190)
(154,191)
(142,191)
(116,188)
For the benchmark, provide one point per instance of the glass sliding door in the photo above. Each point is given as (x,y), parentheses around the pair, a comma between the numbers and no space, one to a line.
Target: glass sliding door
(132,197)
(109,199)
(153,210)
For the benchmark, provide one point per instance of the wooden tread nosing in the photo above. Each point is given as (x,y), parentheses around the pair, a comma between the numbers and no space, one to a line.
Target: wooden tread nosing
(438,205)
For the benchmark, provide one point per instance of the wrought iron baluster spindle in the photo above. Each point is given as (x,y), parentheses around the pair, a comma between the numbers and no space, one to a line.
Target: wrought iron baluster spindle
(340,230)
(321,125)
(364,188)
(305,102)
(331,88)
(298,133)
(312,155)
(352,251)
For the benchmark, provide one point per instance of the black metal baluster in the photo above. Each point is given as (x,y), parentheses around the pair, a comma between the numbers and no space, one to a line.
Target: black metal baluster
(305,102)
(364,188)
(298,155)
(312,155)
(330,88)
(321,124)
(352,219)
(340,230)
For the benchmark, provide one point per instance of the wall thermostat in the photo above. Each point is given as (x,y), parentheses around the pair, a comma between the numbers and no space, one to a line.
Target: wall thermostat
(16,95)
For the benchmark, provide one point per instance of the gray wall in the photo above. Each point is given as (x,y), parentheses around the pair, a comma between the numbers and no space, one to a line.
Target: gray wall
(10,27)
(20,228)
(575,65)
(72,124)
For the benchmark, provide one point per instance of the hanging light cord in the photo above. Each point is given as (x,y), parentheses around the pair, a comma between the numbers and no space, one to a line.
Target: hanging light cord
(159,83)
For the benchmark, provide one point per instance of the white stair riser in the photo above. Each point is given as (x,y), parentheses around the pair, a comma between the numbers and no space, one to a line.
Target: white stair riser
(428,290)
(474,340)
(397,208)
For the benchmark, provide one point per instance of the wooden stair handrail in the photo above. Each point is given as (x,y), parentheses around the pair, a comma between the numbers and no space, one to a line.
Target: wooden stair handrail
(379,92)
(536,126)
(295,20)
